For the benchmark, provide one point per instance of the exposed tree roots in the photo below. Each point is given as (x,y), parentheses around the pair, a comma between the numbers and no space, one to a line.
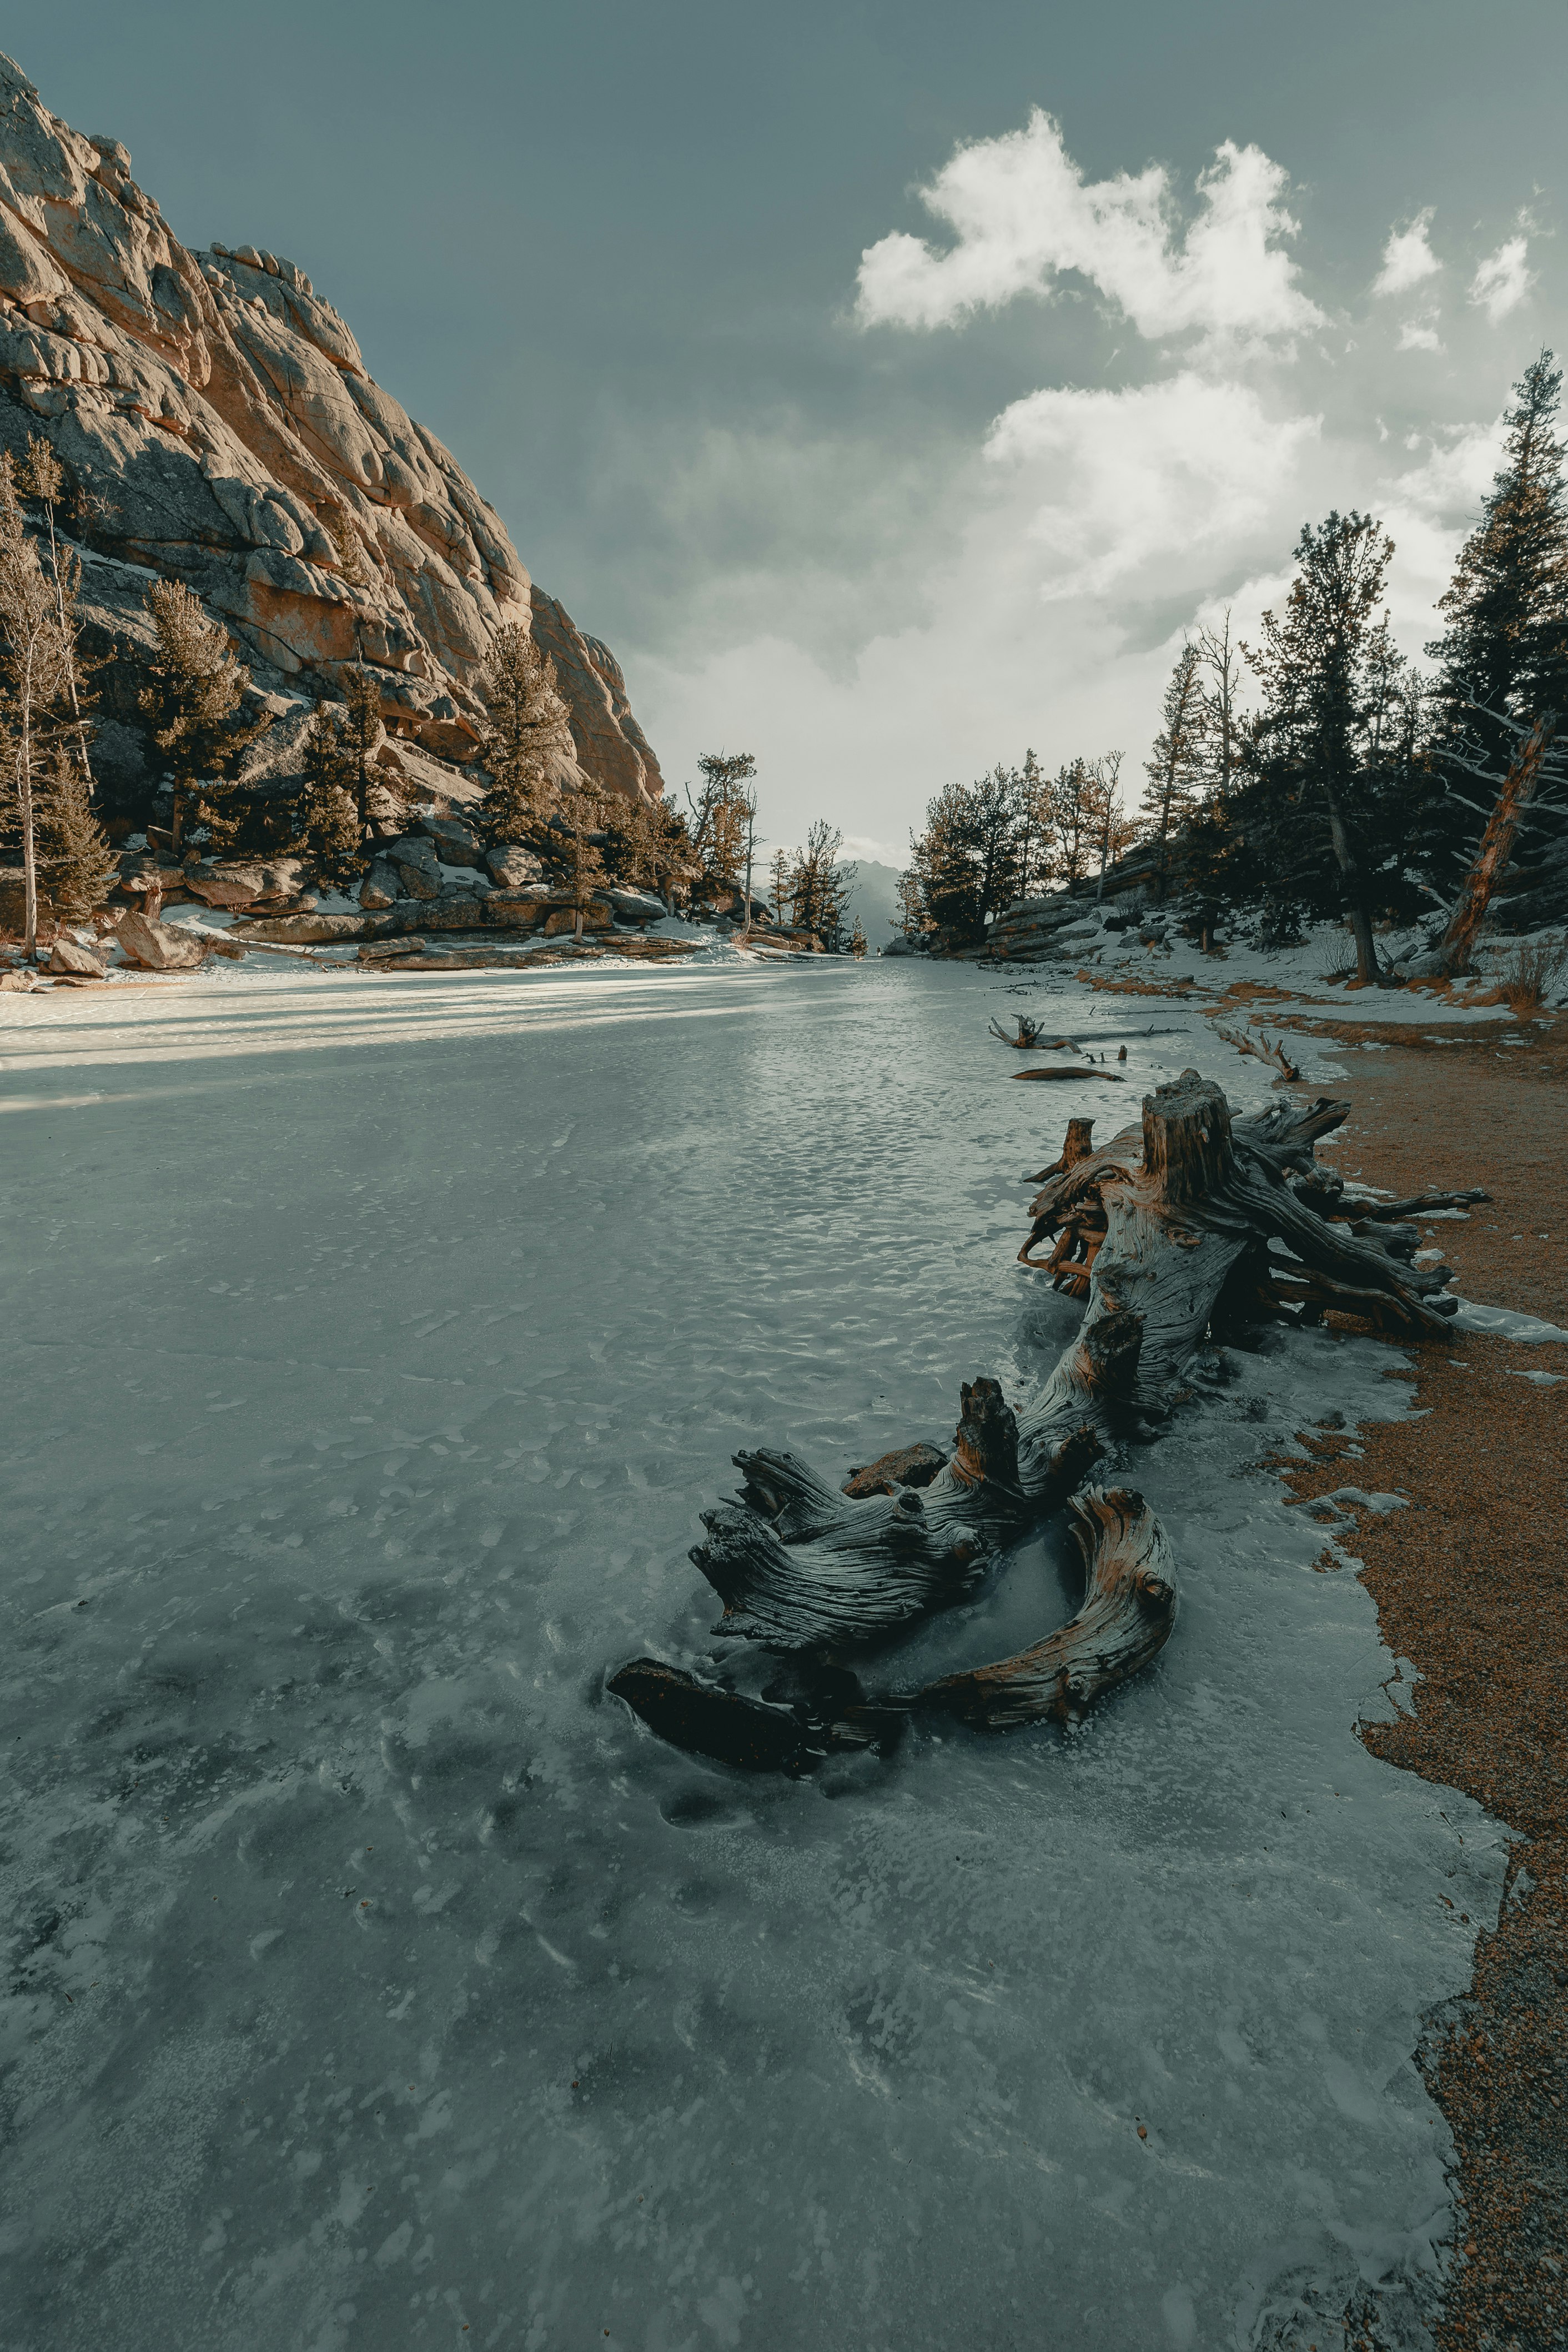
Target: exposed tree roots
(1181,1224)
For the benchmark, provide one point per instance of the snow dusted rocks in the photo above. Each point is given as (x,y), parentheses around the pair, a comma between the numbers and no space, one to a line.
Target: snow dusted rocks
(215,414)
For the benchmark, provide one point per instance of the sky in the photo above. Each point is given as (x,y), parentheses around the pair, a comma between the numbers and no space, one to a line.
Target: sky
(893,386)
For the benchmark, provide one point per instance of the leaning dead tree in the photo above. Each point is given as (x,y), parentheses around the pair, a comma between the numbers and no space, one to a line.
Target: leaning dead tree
(1183,1225)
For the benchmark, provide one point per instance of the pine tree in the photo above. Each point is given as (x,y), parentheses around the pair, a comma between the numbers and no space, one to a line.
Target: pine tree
(1072,801)
(329,822)
(74,853)
(779,896)
(1505,646)
(911,917)
(1036,832)
(858,940)
(723,815)
(34,669)
(527,736)
(196,692)
(578,852)
(1174,767)
(360,733)
(994,820)
(1323,670)
(820,885)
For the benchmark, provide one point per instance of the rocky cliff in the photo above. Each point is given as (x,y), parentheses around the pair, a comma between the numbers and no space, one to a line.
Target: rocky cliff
(216,424)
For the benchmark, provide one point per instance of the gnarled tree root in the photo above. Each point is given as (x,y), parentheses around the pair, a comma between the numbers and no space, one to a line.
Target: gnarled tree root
(1128,1608)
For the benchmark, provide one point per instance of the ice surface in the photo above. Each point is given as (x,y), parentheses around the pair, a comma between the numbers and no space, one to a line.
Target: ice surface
(373,1351)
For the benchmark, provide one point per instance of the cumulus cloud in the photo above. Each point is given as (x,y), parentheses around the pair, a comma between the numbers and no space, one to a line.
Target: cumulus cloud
(1502,282)
(1020,212)
(1408,259)
(1413,337)
(1125,478)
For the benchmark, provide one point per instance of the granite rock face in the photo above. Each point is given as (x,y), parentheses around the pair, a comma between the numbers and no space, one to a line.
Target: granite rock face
(217,425)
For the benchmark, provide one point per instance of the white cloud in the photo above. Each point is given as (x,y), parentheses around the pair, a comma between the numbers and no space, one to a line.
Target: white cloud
(1124,478)
(1021,211)
(1502,282)
(1408,257)
(1413,337)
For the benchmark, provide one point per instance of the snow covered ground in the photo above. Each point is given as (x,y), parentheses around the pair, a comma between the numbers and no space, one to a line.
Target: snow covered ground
(375,1979)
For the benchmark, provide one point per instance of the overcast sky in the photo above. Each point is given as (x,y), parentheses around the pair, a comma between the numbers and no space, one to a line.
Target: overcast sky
(891,385)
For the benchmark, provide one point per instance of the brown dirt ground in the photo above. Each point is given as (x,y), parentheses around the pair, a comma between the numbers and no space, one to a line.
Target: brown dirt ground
(1472,1584)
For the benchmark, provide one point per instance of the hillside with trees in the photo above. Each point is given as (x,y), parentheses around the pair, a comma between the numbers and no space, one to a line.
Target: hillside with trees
(1317,773)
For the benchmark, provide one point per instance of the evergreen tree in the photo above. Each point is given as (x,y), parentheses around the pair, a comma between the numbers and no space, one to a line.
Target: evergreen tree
(1174,767)
(1036,830)
(1072,813)
(820,885)
(329,821)
(362,731)
(1505,645)
(946,866)
(527,735)
(723,815)
(778,894)
(994,820)
(579,852)
(910,917)
(858,941)
(74,853)
(193,699)
(1321,769)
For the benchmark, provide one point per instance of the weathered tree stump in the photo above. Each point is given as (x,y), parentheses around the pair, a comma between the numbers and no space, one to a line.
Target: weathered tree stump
(1184,1222)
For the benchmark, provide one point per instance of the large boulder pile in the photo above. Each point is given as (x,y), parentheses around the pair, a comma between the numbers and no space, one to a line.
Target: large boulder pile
(217,425)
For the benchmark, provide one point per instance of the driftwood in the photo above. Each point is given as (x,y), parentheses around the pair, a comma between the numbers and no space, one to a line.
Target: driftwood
(1265,1049)
(1124,1620)
(1111,1078)
(1182,1224)
(1027,1036)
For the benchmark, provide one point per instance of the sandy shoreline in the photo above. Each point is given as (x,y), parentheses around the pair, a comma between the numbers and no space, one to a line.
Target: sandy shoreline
(1471,1585)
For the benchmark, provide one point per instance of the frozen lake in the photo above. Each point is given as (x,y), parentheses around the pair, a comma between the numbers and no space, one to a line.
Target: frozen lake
(375,1978)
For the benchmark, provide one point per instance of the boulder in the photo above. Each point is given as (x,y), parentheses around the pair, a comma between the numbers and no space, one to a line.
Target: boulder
(454,841)
(157,947)
(303,930)
(381,885)
(18,982)
(522,910)
(66,956)
(413,859)
(636,906)
(596,917)
(225,886)
(513,866)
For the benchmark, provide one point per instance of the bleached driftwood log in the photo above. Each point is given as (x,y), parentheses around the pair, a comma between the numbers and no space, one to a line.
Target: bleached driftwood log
(1183,1223)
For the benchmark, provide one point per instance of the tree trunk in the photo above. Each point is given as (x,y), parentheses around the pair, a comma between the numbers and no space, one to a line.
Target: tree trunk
(1367,967)
(24,798)
(1496,847)
(1177,1224)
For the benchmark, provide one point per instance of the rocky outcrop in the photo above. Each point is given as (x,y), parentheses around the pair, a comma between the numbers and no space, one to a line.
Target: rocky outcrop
(217,425)
(610,744)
